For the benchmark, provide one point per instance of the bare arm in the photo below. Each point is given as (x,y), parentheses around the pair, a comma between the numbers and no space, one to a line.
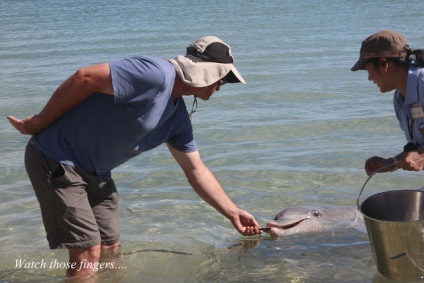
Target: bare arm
(71,92)
(207,187)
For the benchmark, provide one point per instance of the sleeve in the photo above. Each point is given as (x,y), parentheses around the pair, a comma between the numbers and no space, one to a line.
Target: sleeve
(135,79)
(183,142)
(183,139)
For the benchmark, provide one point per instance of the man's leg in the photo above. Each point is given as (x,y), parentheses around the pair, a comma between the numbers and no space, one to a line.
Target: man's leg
(105,203)
(111,254)
(83,262)
(67,215)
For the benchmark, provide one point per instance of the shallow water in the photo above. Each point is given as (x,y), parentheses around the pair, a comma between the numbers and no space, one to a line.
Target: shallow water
(297,133)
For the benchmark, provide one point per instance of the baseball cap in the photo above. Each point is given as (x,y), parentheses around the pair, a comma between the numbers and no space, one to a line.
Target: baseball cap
(382,44)
(207,61)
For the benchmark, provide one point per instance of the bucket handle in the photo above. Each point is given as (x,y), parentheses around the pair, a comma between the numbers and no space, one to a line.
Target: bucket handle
(369,178)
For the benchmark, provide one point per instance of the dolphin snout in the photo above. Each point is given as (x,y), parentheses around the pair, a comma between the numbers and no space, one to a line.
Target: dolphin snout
(278,227)
(320,218)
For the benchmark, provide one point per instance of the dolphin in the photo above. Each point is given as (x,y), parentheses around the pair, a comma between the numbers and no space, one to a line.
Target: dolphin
(314,218)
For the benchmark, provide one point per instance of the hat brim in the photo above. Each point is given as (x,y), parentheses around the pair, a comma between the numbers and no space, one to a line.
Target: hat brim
(198,73)
(360,65)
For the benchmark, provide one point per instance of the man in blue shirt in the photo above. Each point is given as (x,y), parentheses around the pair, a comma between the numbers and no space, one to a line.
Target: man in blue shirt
(104,115)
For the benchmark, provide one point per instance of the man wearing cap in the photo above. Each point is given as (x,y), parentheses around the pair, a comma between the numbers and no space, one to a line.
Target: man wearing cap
(104,115)
(393,65)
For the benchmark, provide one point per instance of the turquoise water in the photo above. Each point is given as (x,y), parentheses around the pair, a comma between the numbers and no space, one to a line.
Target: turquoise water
(297,133)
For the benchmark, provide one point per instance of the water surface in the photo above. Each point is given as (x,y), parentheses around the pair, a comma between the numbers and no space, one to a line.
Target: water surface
(297,133)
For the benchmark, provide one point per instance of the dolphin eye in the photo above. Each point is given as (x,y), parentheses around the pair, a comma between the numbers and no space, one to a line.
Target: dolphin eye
(316,213)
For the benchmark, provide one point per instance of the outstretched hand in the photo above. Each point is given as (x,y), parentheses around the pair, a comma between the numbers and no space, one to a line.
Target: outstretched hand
(245,223)
(27,126)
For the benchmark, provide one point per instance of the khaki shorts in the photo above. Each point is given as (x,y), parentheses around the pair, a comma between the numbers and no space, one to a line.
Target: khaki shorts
(79,210)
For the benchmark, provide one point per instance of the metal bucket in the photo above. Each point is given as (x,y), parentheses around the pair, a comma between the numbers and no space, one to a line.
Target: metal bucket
(395,226)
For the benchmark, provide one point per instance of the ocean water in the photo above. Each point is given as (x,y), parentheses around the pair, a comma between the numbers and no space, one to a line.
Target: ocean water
(297,133)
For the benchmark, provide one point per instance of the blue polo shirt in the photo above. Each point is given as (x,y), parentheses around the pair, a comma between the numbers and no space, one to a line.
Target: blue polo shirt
(409,110)
(104,131)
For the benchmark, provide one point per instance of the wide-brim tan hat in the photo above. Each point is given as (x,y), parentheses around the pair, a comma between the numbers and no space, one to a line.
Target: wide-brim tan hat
(207,61)
(382,44)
